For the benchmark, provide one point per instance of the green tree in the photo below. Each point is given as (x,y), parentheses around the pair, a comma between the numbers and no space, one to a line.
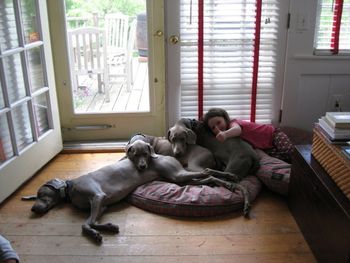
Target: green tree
(102,7)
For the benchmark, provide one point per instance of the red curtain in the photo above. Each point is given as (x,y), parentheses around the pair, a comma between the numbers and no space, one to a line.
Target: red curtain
(337,14)
(255,64)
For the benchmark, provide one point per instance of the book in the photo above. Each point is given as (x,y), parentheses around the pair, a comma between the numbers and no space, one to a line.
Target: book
(339,120)
(330,140)
(332,126)
(346,151)
(333,134)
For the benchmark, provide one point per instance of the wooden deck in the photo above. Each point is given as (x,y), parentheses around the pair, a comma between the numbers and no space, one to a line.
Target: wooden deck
(271,235)
(89,100)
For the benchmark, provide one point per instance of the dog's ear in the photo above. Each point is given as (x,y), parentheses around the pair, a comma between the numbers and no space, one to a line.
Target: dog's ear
(151,150)
(128,151)
(168,136)
(191,136)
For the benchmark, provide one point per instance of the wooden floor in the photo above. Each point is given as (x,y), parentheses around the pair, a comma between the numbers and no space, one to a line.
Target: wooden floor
(271,235)
(135,99)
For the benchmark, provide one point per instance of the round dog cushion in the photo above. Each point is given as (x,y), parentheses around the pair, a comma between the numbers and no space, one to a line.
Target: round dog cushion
(192,200)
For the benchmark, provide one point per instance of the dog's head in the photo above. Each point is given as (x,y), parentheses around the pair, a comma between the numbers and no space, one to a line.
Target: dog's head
(140,153)
(179,136)
(49,195)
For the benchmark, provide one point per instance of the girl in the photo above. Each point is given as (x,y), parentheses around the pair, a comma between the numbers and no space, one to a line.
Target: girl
(263,136)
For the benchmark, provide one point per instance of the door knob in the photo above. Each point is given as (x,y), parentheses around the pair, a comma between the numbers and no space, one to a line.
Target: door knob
(174,39)
(159,33)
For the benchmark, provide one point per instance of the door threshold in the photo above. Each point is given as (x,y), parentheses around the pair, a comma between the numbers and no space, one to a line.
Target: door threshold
(94,146)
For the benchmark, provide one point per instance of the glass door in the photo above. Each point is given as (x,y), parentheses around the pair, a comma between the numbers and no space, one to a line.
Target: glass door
(111,85)
(29,125)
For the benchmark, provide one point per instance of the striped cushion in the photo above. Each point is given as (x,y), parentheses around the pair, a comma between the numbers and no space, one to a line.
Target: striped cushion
(192,200)
(274,173)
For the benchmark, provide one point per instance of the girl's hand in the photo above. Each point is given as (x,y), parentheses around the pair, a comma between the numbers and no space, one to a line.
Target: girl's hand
(221,136)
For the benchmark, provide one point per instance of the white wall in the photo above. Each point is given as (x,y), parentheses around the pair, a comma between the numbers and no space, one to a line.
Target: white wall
(311,82)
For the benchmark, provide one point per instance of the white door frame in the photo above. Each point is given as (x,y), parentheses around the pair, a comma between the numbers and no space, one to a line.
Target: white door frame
(118,125)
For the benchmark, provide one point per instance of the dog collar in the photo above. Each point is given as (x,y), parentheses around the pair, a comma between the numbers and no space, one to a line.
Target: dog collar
(59,185)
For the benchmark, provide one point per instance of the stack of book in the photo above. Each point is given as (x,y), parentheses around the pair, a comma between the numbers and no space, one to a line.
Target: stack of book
(335,126)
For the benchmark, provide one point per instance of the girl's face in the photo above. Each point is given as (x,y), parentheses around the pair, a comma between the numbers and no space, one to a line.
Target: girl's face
(217,124)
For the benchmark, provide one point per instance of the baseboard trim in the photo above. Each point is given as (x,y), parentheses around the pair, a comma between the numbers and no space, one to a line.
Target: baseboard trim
(88,147)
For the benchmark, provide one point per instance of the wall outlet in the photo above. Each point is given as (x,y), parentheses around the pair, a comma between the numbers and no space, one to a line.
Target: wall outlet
(336,102)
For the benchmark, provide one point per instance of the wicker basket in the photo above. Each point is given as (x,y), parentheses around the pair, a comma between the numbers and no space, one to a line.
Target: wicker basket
(332,160)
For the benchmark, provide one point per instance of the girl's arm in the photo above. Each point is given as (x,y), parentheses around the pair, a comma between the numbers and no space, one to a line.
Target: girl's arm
(233,131)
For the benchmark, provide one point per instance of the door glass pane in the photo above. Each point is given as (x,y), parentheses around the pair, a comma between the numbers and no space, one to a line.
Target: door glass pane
(2,103)
(14,77)
(110,72)
(8,30)
(41,113)
(6,151)
(22,127)
(29,21)
(36,73)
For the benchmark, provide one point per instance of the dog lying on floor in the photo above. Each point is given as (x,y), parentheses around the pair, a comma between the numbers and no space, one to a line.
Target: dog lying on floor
(110,184)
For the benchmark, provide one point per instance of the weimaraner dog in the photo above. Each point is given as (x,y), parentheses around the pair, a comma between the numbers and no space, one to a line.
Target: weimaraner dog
(180,144)
(110,184)
(234,155)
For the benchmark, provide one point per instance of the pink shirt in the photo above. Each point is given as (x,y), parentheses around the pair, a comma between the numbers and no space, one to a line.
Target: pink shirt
(258,135)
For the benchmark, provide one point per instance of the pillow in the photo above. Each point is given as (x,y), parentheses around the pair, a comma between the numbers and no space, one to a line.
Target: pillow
(192,200)
(274,173)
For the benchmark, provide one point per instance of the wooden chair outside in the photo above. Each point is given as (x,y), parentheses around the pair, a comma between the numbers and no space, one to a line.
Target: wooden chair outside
(120,43)
(88,56)
(129,55)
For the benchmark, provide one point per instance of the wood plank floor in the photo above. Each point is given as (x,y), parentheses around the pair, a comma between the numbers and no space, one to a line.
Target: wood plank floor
(271,235)
(122,100)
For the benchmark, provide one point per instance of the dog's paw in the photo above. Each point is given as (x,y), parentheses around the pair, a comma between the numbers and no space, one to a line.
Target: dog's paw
(246,210)
(207,171)
(98,238)
(112,228)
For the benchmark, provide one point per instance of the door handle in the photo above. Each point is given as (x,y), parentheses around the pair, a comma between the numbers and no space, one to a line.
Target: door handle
(174,39)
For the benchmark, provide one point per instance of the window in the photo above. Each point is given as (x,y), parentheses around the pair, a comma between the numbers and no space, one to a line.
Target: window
(332,34)
(24,94)
(240,47)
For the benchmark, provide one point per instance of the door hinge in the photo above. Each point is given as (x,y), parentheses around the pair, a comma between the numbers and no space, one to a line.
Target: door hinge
(288,20)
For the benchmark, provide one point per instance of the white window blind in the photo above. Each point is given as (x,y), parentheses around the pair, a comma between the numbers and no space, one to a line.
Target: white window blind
(229,33)
(325,27)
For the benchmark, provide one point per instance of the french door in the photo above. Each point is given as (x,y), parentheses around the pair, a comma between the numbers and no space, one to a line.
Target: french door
(226,61)
(30,132)
(112,109)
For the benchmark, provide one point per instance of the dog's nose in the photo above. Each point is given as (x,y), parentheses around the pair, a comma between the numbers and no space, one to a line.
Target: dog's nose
(34,209)
(142,166)
(177,151)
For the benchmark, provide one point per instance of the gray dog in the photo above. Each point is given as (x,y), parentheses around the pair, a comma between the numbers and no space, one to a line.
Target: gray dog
(181,144)
(191,155)
(110,184)
(234,155)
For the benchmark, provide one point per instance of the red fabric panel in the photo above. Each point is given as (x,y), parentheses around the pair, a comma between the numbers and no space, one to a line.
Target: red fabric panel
(256,60)
(337,14)
(200,57)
